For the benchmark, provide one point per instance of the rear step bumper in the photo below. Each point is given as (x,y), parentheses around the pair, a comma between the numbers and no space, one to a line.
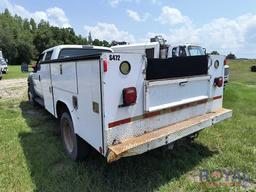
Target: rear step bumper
(165,135)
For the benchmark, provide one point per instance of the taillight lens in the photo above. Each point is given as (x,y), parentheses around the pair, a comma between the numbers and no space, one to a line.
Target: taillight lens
(105,65)
(218,81)
(225,62)
(129,96)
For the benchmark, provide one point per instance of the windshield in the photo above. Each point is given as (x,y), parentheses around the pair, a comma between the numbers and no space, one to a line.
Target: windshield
(73,52)
(195,51)
(2,61)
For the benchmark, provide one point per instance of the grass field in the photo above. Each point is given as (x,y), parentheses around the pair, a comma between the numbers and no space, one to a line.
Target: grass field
(32,157)
(14,72)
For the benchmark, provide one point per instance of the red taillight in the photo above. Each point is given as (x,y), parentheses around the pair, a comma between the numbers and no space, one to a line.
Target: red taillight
(218,81)
(105,65)
(225,62)
(129,96)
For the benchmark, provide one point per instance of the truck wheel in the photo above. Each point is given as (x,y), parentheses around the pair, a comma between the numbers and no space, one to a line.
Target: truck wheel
(31,93)
(75,146)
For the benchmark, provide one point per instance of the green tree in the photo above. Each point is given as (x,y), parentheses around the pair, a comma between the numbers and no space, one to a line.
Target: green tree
(22,40)
(214,53)
(231,56)
(90,38)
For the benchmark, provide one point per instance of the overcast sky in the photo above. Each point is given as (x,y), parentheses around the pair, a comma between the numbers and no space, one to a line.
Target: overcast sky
(223,25)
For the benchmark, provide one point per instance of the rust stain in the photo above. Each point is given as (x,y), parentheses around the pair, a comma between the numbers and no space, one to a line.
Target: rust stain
(122,149)
(156,113)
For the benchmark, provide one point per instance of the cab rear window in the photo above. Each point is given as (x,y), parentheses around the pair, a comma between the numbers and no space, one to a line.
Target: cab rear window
(66,53)
(195,51)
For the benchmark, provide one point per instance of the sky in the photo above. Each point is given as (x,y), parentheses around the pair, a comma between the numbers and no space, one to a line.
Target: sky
(222,25)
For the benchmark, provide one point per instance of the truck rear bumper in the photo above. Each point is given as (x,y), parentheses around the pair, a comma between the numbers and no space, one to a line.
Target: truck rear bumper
(165,135)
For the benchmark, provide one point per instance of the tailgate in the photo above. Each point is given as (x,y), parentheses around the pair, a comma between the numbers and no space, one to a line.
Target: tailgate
(163,94)
(166,135)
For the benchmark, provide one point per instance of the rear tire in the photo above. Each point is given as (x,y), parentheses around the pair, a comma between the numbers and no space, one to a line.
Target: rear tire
(75,147)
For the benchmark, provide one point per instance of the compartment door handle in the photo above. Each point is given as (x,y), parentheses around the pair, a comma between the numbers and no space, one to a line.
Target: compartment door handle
(183,83)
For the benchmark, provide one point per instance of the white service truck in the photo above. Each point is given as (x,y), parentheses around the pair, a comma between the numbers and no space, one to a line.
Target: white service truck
(125,104)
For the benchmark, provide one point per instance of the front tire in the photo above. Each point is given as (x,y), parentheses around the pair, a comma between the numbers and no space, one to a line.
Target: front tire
(75,147)
(31,93)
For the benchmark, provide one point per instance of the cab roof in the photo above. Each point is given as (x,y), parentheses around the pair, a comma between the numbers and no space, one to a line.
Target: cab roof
(60,47)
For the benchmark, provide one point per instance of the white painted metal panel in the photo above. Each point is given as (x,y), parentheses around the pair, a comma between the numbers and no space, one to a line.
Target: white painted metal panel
(89,121)
(141,126)
(64,76)
(114,83)
(46,84)
(83,76)
(216,72)
(138,48)
(36,77)
(164,94)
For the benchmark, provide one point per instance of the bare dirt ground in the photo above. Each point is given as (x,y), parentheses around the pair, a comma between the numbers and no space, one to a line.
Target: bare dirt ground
(13,88)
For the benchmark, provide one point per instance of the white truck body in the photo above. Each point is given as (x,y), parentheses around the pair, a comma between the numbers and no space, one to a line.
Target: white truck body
(92,88)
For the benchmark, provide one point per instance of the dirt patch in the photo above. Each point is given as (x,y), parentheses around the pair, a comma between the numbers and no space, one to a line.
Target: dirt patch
(13,88)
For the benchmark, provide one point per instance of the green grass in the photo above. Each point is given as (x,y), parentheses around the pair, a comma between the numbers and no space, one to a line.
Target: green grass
(14,72)
(32,156)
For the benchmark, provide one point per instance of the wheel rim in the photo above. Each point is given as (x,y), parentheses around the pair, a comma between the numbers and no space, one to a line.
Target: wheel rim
(67,135)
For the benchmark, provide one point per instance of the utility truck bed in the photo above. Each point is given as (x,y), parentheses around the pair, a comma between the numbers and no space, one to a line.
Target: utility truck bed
(124,104)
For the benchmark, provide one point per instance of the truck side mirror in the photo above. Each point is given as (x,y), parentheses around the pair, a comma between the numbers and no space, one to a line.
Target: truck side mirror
(204,51)
(34,67)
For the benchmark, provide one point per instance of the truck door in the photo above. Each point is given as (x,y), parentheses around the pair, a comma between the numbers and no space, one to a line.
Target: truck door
(46,83)
(37,77)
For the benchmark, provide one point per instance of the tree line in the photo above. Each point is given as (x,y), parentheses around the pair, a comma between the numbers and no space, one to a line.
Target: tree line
(22,40)
(229,56)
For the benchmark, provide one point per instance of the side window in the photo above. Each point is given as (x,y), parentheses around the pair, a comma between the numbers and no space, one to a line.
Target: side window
(48,56)
(40,58)
(150,53)
(174,51)
(182,52)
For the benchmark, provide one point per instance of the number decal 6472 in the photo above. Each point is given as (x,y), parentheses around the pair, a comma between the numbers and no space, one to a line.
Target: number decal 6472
(114,57)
